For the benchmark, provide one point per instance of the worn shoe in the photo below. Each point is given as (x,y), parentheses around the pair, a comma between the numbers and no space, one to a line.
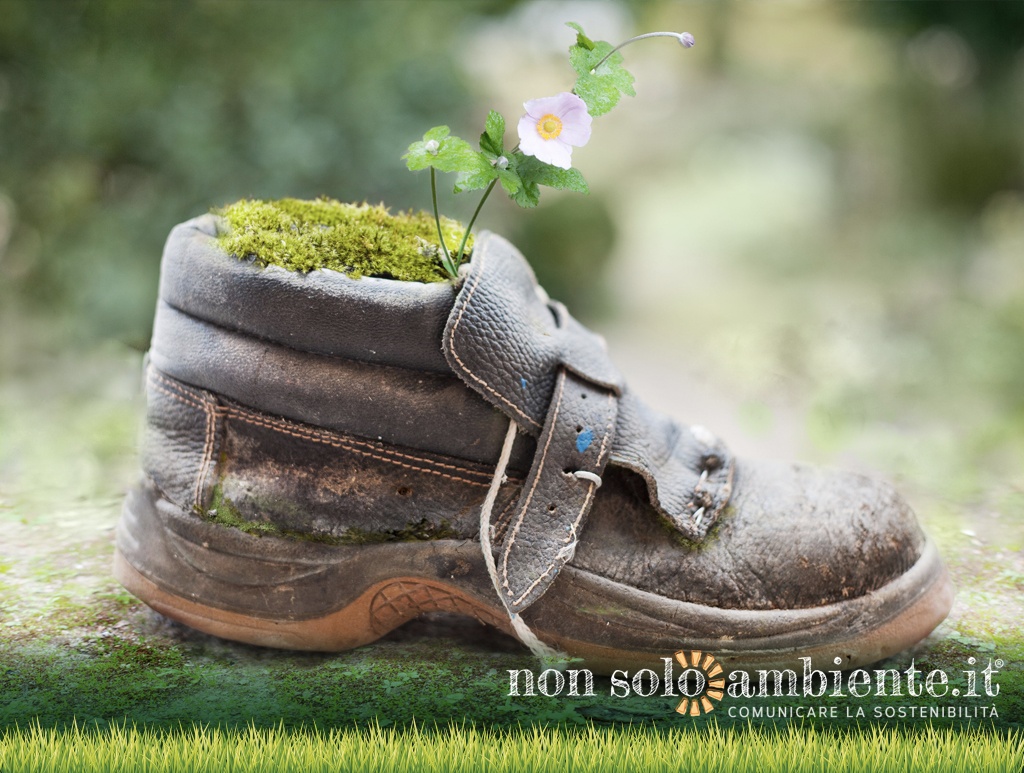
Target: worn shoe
(319,452)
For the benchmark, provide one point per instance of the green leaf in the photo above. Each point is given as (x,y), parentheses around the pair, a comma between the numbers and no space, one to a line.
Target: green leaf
(452,154)
(437,133)
(581,39)
(476,180)
(510,180)
(602,88)
(528,196)
(493,138)
(523,192)
(537,172)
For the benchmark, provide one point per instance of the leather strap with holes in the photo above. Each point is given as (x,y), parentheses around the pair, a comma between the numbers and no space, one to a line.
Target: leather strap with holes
(571,456)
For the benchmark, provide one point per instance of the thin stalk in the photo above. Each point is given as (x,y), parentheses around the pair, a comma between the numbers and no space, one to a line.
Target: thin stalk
(465,236)
(447,260)
(685,40)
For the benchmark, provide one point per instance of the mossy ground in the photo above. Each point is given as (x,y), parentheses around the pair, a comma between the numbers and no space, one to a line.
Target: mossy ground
(355,239)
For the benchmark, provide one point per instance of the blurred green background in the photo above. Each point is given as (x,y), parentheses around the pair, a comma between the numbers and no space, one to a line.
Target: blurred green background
(806,233)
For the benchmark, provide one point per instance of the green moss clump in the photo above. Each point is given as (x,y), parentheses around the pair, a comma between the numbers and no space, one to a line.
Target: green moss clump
(355,239)
(222,511)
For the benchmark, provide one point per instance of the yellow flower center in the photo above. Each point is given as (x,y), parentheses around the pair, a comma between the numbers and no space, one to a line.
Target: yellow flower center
(549,127)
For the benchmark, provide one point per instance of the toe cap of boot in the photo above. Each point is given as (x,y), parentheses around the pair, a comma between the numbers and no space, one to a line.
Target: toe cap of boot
(793,536)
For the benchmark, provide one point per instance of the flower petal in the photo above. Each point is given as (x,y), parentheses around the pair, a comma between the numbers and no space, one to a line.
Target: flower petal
(538,108)
(575,131)
(529,139)
(576,121)
(569,102)
(577,113)
(554,152)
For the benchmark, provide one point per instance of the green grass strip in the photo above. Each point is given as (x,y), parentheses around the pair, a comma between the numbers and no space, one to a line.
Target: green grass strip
(457,749)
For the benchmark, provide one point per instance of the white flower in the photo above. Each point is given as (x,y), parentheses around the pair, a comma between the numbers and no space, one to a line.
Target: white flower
(552,126)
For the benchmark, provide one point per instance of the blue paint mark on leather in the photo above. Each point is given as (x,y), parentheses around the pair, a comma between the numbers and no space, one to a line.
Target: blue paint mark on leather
(584,439)
(522,382)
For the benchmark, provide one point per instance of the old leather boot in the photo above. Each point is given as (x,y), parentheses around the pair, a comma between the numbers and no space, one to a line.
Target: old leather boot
(320,450)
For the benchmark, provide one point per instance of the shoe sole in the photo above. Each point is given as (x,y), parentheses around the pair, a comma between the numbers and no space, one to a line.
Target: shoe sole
(289,594)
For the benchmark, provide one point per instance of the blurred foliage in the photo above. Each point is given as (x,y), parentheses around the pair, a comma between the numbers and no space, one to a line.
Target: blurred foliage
(569,241)
(960,294)
(118,120)
(961,153)
(994,30)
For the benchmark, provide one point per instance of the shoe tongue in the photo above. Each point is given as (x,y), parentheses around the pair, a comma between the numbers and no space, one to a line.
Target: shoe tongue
(506,340)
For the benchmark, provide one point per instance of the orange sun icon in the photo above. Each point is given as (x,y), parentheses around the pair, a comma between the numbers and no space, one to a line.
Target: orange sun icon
(711,682)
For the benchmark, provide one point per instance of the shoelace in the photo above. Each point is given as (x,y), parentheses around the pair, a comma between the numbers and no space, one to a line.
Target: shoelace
(548,655)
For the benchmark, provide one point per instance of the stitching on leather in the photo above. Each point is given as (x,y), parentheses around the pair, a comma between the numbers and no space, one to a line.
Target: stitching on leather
(209,416)
(536,481)
(215,415)
(612,415)
(305,435)
(329,437)
(583,509)
(471,374)
(501,522)
(320,436)
(207,453)
(180,398)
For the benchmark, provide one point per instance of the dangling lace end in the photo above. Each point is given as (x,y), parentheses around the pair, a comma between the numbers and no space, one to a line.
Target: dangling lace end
(548,656)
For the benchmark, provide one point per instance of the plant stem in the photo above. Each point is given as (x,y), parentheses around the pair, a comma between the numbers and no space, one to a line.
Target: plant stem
(447,260)
(684,38)
(465,236)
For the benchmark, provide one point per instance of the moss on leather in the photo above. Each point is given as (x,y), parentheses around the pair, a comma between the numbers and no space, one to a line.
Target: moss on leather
(224,512)
(355,239)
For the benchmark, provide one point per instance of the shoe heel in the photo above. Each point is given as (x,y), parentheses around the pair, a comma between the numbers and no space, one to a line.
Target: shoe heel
(288,594)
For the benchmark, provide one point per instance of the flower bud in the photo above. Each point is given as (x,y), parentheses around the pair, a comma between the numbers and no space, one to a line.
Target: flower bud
(432,147)
(686,40)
